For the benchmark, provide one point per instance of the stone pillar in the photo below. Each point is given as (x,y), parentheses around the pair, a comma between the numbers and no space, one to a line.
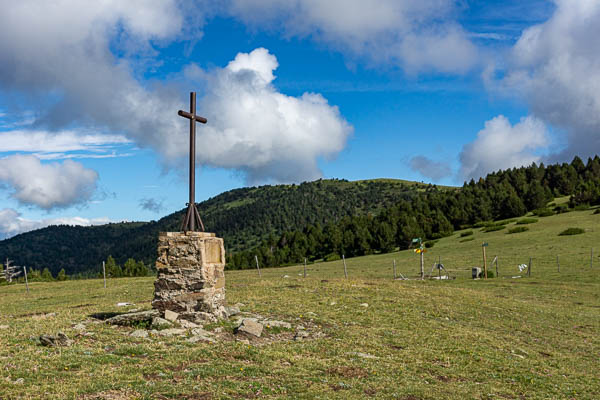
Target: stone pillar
(191,279)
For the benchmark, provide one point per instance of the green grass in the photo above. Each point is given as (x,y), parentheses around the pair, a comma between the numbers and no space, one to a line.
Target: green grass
(517,229)
(527,338)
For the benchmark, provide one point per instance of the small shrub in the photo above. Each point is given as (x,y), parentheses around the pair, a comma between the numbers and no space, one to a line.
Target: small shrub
(581,207)
(481,224)
(571,231)
(560,209)
(493,228)
(543,212)
(490,274)
(332,257)
(525,221)
(429,244)
(517,229)
(467,239)
(467,233)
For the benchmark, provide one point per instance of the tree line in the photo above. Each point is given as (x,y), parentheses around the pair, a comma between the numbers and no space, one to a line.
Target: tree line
(432,214)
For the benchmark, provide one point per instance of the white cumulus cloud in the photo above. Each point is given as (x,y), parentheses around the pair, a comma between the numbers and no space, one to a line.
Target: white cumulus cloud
(12,223)
(501,145)
(261,132)
(48,186)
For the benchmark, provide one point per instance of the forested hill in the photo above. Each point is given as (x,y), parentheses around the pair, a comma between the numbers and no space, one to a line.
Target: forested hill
(243,217)
(434,213)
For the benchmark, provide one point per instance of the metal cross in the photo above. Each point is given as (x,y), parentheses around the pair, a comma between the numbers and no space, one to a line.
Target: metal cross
(192,219)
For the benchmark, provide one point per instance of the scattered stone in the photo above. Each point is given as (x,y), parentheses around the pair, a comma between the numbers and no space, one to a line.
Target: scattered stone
(218,330)
(19,381)
(201,332)
(184,323)
(52,341)
(202,317)
(44,316)
(221,313)
(364,305)
(172,332)
(250,327)
(277,324)
(239,305)
(286,276)
(301,334)
(196,339)
(140,333)
(4,326)
(133,310)
(233,310)
(333,303)
(200,335)
(362,355)
(79,327)
(159,323)
(171,315)
(311,314)
(133,318)
(125,304)
(244,341)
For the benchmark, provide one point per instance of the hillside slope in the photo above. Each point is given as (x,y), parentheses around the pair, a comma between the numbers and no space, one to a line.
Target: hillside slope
(243,217)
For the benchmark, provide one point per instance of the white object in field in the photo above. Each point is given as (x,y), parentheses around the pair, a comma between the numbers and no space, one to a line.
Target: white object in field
(522,267)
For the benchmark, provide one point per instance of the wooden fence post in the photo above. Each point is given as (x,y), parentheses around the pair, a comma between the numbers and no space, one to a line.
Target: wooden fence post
(305,267)
(104,273)
(257,267)
(529,268)
(26,282)
(484,263)
(496,263)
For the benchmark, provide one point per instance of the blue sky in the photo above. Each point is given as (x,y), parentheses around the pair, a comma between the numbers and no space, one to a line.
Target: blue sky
(438,91)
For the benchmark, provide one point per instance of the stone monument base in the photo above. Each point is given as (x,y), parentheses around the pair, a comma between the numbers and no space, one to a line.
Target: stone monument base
(191,278)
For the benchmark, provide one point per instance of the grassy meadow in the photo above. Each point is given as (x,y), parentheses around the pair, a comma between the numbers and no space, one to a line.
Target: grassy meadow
(532,337)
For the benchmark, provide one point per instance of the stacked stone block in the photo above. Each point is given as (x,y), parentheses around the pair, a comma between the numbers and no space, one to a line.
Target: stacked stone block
(191,279)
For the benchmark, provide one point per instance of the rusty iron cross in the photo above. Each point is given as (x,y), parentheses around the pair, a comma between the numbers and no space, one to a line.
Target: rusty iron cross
(192,219)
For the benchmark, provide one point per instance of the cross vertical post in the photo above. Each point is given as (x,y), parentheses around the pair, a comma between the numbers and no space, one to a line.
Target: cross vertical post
(192,219)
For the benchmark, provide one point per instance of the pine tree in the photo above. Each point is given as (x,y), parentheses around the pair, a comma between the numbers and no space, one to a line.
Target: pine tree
(62,276)
(46,275)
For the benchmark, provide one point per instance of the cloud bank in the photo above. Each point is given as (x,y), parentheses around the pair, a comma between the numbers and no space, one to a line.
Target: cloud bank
(253,128)
(11,222)
(47,186)
(555,67)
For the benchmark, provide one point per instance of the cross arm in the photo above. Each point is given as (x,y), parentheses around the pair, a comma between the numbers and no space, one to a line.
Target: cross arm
(188,115)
